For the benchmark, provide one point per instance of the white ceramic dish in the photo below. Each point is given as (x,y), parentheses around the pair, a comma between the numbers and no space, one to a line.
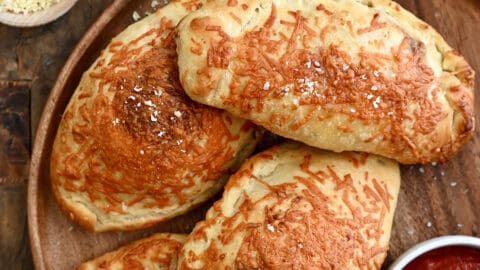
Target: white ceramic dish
(37,18)
(444,241)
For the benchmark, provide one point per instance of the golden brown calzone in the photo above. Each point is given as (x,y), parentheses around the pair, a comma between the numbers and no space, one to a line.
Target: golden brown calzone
(132,149)
(362,75)
(297,207)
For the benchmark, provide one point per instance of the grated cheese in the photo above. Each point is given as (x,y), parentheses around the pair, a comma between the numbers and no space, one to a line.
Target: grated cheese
(26,6)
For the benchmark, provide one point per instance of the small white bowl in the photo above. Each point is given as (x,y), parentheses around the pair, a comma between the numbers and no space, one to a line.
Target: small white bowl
(37,18)
(424,247)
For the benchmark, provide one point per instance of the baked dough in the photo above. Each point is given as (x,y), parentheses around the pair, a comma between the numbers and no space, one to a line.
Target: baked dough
(132,149)
(157,252)
(361,75)
(297,207)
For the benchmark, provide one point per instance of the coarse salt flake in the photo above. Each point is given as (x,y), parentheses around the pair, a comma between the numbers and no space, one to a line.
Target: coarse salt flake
(142,152)
(149,103)
(136,16)
(429,224)
(158,93)
(270,227)
(154,4)
(153,118)
(376,102)
(137,89)
(453,184)
(266,86)
(178,113)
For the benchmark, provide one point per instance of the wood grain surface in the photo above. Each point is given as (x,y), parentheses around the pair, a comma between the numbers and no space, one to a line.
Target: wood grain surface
(434,199)
(30,59)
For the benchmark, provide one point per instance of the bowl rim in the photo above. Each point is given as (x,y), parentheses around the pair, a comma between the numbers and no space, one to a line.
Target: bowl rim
(431,244)
(37,18)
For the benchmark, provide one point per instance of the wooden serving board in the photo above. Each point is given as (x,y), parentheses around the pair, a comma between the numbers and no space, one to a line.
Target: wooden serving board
(434,199)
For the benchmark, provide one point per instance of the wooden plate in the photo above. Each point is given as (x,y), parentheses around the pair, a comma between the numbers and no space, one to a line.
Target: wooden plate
(37,18)
(434,200)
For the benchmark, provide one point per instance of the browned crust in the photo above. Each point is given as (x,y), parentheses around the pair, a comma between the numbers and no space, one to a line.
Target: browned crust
(460,96)
(100,166)
(137,252)
(204,28)
(285,204)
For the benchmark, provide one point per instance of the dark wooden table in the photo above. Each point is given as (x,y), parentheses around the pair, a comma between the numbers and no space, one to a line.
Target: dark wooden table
(434,200)
(30,60)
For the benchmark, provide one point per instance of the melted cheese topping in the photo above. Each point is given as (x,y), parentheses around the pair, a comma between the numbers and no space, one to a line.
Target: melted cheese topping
(315,214)
(141,141)
(295,69)
(327,78)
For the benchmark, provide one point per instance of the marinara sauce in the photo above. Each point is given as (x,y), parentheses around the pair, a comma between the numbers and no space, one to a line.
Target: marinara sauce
(448,258)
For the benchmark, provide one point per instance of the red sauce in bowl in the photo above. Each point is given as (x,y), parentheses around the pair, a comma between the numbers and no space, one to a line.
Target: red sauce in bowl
(447,258)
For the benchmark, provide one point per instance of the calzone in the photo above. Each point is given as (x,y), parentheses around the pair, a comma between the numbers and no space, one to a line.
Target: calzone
(362,75)
(297,207)
(132,149)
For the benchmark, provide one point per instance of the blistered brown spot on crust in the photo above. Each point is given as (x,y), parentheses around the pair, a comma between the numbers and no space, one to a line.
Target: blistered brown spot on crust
(232,3)
(151,139)
(191,5)
(200,23)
